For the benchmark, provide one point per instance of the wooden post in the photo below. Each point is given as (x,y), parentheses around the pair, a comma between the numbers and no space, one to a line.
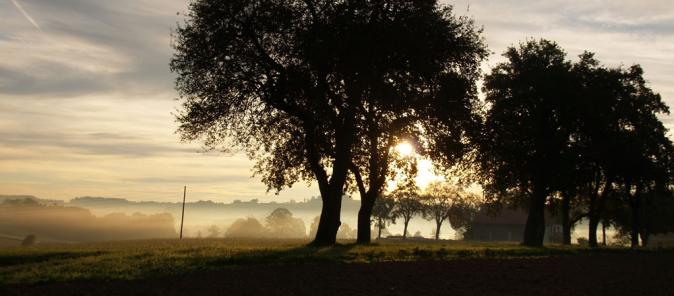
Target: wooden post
(182,218)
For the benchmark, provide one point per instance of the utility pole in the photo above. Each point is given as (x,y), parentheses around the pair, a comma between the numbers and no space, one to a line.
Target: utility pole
(183,215)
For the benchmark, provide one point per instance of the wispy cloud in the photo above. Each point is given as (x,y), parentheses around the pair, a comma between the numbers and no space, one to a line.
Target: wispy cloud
(25,14)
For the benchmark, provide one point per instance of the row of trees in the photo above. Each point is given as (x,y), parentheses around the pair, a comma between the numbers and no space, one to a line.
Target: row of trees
(577,132)
(321,90)
(439,202)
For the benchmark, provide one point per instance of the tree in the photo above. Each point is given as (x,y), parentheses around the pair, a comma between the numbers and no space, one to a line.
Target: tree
(383,213)
(462,211)
(272,78)
(246,228)
(28,241)
(346,232)
(622,145)
(213,231)
(527,128)
(437,201)
(318,86)
(407,205)
(282,224)
(417,67)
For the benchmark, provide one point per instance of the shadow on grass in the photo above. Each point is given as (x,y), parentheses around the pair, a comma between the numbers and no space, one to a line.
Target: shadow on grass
(299,255)
(7,260)
(355,253)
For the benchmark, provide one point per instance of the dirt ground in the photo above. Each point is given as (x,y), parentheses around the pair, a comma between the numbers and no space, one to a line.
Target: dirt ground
(619,274)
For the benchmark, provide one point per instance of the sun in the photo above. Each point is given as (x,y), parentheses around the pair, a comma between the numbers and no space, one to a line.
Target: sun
(404,149)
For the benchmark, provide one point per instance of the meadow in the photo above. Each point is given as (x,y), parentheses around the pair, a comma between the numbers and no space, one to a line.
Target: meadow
(148,259)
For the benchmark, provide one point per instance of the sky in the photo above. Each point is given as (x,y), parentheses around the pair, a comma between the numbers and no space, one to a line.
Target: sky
(87,98)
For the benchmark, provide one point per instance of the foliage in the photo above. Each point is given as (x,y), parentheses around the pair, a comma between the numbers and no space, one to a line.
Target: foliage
(246,228)
(213,231)
(282,224)
(407,202)
(311,89)
(528,127)
(383,213)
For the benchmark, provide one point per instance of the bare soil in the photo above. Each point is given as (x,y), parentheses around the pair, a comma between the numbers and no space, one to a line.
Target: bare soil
(597,274)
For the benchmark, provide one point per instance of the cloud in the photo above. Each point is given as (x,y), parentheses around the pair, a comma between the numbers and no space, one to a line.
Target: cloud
(102,144)
(89,47)
(25,14)
(85,104)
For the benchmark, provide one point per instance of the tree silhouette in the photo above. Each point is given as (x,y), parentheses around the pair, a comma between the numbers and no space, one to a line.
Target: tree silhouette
(383,213)
(418,66)
(281,223)
(213,231)
(246,228)
(407,203)
(437,202)
(312,89)
(527,128)
(622,144)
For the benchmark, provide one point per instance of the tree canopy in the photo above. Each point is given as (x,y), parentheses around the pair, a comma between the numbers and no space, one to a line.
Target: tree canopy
(312,89)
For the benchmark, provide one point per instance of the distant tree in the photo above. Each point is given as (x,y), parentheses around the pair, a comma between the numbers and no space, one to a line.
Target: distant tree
(28,241)
(383,213)
(246,228)
(346,232)
(213,231)
(437,202)
(527,128)
(462,211)
(282,224)
(407,203)
(313,228)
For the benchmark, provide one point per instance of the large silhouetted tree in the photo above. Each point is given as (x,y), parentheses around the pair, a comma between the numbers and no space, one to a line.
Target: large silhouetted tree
(311,89)
(621,144)
(417,66)
(527,128)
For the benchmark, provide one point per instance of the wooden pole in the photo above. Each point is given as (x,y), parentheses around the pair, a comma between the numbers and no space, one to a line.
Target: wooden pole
(182,218)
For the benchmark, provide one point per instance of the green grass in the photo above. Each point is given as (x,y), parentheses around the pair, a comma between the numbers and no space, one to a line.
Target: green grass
(156,258)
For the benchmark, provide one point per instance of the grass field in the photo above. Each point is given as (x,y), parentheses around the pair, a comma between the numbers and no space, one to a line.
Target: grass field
(130,260)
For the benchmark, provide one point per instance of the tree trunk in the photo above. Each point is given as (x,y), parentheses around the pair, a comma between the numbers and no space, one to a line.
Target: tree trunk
(635,205)
(364,217)
(566,221)
(596,207)
(329,222)
(332,187)
(534,231)
(407,221)
(635,225)
(438,224)
(380,224)
(603,234)
(592,235)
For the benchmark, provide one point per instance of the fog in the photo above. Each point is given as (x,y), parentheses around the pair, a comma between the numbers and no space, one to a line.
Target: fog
(62,224)
(90,219)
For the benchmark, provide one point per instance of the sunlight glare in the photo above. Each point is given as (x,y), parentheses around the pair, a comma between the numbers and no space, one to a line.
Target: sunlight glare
(404,149)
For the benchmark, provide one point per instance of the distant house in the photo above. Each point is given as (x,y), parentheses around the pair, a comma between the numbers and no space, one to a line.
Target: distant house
(661,240)
(507,225)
